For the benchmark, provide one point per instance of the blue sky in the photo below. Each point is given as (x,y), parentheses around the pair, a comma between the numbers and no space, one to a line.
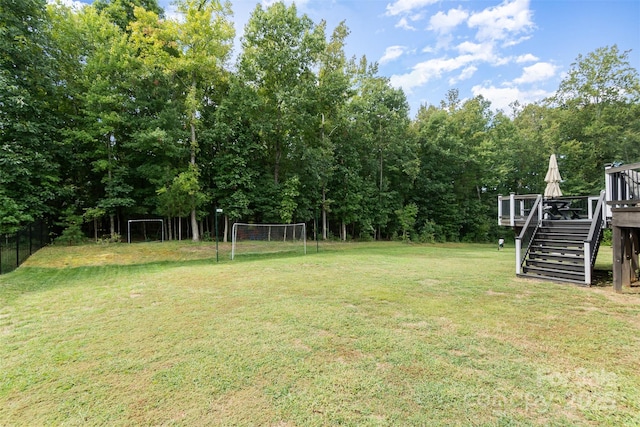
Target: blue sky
(503,50)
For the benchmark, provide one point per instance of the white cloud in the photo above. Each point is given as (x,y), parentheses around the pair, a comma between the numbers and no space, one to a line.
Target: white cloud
(482,52)
(405,6)
(501,97)
(429,70)
(445,22)
(466,74)
(474,48)
(502,21)
(404,24)
(536,72)
(392,53)
(526,58)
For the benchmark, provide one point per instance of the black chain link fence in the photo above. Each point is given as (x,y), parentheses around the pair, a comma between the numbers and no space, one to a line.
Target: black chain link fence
(16,248)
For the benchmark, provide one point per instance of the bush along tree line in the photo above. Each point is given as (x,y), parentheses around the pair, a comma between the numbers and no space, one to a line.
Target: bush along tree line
(112,111)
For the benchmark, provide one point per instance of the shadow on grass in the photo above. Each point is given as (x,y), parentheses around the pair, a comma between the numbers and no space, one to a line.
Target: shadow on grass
(602,278)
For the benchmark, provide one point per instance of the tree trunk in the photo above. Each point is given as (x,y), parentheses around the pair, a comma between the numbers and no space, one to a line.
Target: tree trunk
(226,229)
(324,214)
(343,231)
(112,226)
(194,219)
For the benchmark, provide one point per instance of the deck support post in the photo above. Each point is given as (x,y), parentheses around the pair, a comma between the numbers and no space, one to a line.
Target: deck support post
(618,255)
(626,246)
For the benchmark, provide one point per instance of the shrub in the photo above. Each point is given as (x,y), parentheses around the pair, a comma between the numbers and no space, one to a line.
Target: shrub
(72,234)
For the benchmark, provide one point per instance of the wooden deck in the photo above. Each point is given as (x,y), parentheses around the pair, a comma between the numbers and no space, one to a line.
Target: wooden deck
(625,224)
(618,208)
(623,200)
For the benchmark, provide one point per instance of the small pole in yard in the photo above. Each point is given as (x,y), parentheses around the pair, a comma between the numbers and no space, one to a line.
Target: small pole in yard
(17,249)
(218,210)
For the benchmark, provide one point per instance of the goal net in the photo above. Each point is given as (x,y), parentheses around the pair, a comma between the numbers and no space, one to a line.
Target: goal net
(145,230)
(268,238)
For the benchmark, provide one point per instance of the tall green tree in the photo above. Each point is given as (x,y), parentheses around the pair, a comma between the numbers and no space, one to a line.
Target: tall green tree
(231,147)
(121,12)
(375,161)
(194,51)
(29,174)
(108,66)
(327,108)
(280,52)
(452,183)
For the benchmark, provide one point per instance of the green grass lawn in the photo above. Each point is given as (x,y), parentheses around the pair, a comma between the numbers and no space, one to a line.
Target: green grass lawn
(357,334)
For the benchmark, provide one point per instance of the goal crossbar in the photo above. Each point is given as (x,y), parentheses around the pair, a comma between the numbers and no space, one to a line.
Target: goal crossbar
(269,233)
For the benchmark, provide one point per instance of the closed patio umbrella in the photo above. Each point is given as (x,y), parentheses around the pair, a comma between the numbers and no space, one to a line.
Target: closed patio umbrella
(552,179)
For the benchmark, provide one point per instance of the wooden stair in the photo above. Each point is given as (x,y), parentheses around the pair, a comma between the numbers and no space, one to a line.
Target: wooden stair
(557,251)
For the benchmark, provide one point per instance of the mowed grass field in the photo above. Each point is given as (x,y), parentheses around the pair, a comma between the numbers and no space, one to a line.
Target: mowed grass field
(368,334)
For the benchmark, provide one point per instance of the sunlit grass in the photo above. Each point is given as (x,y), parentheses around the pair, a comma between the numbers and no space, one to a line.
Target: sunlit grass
(357,334)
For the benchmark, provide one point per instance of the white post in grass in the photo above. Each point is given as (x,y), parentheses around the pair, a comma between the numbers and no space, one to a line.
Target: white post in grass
(587,263)
(234,230)
(218,210)
(499,209)
(518,252)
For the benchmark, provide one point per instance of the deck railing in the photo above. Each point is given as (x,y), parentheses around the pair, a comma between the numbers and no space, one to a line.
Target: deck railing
(514,209)
(622,186)
(528,231)
(592,242)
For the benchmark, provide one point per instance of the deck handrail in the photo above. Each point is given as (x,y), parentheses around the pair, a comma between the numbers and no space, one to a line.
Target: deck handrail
(592,241)
(527,233)
(516,210)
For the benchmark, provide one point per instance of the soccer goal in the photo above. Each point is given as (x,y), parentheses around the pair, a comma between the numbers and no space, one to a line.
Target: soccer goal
(145,230)
(268,238)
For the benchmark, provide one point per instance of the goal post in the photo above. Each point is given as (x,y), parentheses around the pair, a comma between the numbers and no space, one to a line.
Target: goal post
(268,238)
(156,231)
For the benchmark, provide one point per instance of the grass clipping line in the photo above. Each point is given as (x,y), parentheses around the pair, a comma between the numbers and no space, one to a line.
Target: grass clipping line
(359,334)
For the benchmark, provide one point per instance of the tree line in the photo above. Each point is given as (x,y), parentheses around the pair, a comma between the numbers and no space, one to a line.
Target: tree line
(112,111)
